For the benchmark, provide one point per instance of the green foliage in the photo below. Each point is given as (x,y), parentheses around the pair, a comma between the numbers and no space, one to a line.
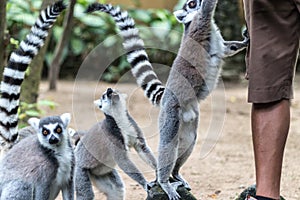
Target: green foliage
(90,30)
(161,33)
(27,110)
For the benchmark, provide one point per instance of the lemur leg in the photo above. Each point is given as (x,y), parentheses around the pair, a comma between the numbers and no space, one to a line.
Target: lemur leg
(124,162)
(207,8)
(233,47)
(169,126)
(83,185)
(145,152)
(111,185)
(68,190)
(187,142)
(17,190)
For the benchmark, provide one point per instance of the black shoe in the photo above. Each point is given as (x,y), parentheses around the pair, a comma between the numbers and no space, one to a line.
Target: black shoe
(250,194)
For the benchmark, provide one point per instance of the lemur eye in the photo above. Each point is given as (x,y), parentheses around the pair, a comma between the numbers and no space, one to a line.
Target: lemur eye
(45,132)
(192,4)
(58,130)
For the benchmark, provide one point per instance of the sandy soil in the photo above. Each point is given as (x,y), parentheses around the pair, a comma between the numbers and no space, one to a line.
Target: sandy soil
(221,165)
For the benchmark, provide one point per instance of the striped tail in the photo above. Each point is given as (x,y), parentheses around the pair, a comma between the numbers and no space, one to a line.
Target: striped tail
(14,72)
(141,68)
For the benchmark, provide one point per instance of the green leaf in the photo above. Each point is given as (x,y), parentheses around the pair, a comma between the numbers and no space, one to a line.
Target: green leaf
(32,113)
(22,116)
(110,41)
(50,104)
(26,18)
(22,4)
(175,37)
(92,20)
(79,10)
(36,4)
(57,32)
(162,14)
(77,46)
(49,58)
(15,42)
(161,28)
(141,15)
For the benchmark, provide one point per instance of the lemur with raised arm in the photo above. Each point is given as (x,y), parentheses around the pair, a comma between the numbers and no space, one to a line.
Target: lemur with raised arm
(194,74)
(14,74)
(106,145)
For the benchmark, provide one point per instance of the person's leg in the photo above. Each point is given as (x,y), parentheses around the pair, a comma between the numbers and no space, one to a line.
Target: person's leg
(274,42)
(270,126)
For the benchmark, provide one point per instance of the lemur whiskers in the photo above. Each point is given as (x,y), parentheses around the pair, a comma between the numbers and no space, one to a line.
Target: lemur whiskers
(106,145)
(14,74)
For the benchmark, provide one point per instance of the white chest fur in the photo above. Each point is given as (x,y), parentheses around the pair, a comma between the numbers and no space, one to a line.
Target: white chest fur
(126,127)
(64,156)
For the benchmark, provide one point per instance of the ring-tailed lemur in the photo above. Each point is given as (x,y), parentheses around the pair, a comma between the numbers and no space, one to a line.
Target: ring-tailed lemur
(14,73)
(40,165)
(106,145)
(194,74)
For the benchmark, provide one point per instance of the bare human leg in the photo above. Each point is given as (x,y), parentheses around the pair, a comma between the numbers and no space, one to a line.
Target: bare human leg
(270,127)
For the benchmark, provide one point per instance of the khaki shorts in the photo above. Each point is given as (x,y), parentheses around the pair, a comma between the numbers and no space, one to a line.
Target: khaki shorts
(274,29)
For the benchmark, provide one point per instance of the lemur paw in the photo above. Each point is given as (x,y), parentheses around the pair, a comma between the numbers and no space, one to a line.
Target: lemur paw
(178,177)
(170,189)
(246,36)
(151,185)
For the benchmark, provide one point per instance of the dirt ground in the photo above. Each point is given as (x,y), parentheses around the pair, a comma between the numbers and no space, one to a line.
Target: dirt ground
(221,165)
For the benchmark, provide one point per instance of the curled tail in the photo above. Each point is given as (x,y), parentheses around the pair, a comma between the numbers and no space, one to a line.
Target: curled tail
(14,72)
(141,68)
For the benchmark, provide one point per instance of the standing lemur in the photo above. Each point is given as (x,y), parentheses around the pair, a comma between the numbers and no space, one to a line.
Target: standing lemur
(106,145)
(14,74)
(193,76)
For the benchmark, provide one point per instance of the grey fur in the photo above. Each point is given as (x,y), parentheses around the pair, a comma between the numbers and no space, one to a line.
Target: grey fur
(194,74)
(36,169)
(104,146)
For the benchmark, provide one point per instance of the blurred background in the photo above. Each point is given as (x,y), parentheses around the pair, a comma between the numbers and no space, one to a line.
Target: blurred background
(76,34)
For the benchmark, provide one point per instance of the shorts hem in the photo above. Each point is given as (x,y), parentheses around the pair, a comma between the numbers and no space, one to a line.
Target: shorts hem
(270,95)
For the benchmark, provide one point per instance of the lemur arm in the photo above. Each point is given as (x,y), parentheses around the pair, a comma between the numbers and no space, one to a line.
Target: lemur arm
(123,161)
(207,9)
(145,152)
(41,192)
(233,47)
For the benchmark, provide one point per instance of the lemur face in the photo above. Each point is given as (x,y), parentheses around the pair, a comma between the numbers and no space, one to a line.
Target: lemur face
(111,102)
(51,130)
(189,10)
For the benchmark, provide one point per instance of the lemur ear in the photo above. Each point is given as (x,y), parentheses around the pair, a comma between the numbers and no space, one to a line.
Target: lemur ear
(179,14)
(71,132)
(66,118)
(34,123)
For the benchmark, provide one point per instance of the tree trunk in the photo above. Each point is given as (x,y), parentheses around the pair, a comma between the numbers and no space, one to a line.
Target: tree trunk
(30,86)
(57,59)
(2,35)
